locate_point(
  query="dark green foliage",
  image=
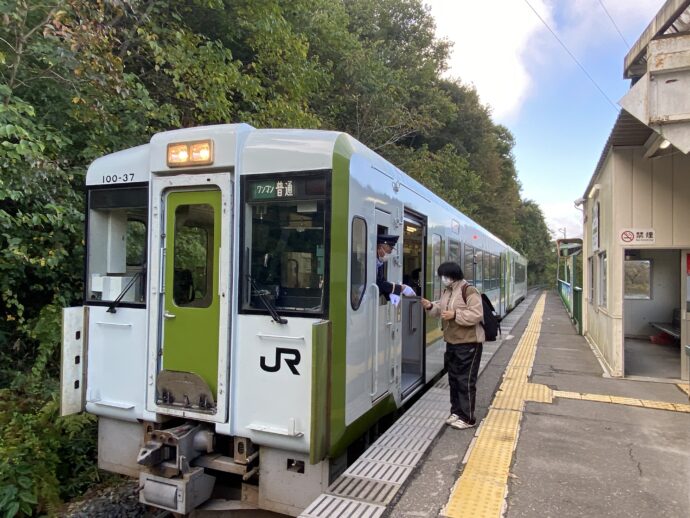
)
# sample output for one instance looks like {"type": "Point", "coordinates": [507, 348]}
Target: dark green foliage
{"type": "Point", "coordinates": [83, 78]}
{"type": "Point", "coordinates": [535, 242]}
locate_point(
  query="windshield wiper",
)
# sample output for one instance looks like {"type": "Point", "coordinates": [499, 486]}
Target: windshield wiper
{"type": "Point", "coordinates": [116, 302]}
{"type": "Point", "coordinates": [263, 296]}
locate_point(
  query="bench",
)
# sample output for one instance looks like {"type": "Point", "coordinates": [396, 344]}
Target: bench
{"type": "Point", "coordinates": [671, 328]}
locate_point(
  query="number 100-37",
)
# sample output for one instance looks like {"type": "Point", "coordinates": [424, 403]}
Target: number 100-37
{"type": "Point", "coordinates": [115, 178]}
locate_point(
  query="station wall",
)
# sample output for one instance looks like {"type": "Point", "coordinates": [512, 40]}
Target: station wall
{"type": "Point", "coordinates": [632, 192]}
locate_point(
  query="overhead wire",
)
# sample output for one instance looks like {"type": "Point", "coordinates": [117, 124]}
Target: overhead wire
{"type": "Point", "coordinates": [573, 57]}
{"type": "Point", "coordinates": [601, 2]}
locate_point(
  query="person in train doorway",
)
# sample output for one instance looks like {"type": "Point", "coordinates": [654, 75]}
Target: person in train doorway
{"type": "Point", "coordinates": [385, 243]}
{"type": "Point", "coordinates": [460, 309]}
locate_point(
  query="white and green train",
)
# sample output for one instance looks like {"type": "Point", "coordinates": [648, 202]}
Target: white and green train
{"type": "Point", "coordinates": [232, 340]}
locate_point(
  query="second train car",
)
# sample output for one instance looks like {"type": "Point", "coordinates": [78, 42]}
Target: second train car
{"type": "Point", "coordinates": [232, 333]}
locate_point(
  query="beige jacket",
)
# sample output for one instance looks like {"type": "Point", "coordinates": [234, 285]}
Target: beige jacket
{"type": "Point", "coordinates": [467, 327]}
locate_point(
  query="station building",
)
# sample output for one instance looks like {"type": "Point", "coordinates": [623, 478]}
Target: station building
{"type": "Point", "coordinates": [636, 212]}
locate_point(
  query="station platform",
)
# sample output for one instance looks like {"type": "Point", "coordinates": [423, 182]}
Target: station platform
{"type": "Point", "coordinates": [556, 438]}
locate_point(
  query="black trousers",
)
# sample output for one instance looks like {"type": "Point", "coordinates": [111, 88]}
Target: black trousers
{"type": "Point", "coordinates": [462, 363]}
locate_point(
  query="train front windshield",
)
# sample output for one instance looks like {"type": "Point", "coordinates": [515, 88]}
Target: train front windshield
{"type": "Point", "coordinates": [284, 244]}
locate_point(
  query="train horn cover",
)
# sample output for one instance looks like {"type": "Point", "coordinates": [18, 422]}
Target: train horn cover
{"type": "Point", "coordinates": [199, 152]}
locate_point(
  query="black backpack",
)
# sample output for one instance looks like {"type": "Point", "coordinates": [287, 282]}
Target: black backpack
{"type": "Point", "coordinates": [490, 322]}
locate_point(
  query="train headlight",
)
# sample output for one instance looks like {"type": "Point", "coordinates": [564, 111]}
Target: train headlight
{"type": "Point", "coordinates": [182, 154]}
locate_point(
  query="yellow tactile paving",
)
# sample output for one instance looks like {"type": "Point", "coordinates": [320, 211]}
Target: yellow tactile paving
{"type": "Point", "coordinates": [628, 401]}
{"type": "Point", "coordinates": [603, 398]}
{"type": "Point", "coordinates": [659, 405]}
{"type": "Point", "coordinates": [482, 488]}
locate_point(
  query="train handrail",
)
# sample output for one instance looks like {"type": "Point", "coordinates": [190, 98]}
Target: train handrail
{"type": "Point", "coordinates": [375, 359]}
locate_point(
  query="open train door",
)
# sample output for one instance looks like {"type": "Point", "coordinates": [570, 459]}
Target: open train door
{"type": "Point", "coordinates": [412, 331]}
{"type": "Point", "coordinates": [191, 364]}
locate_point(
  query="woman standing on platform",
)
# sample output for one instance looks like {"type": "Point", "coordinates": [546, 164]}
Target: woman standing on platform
{"type": "Point", "coordinates": [460, 310]}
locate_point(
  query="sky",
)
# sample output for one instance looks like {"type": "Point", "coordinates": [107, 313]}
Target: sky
{"type": "Point", "coordinates": [559, 118]}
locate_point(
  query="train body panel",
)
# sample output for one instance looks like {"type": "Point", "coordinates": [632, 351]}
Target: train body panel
{"type": "Point", "coordinates": [231, 292]}
{"type": "Point", "coordinates": [271, 403]}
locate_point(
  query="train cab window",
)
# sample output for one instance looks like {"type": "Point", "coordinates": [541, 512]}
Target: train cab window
{"type": "Point", "coordinates": [468, 266]}
{"type": "Point", "coordinates": [284, 240]}
{"type": "Point", "coordinates": [358, 262]}
{"type": "Point", "coordinates": [116, 245]}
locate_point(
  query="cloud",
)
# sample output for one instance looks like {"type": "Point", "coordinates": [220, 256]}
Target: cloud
{"type": "Point", "coordinates": [489, 47]}
{"type": "Point", "coordinates": [500, 47]}
{"type": "Point", "coordinates": [562, 215]}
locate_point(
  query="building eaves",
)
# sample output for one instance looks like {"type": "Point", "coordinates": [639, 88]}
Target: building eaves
{"type": "Point", "coordinates": [626, 132]}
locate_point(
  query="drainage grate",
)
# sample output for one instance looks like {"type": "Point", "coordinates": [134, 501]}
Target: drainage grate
{"type": "Point", "coordinates": [329, 506]}
{"type": "Point", "coordinates": [370, 491]}
{"type": "Point", "coordinates": [379, 471]}
{"type": "Point", "coordinates": [413, 431]}
{"type": "Point", "coordinates": [402, 442]}
{"type": "Point", "coordinates": [393, 456]}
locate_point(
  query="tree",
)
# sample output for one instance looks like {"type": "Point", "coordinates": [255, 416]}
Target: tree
{"type": "Point", "coordinates": [536, 244]}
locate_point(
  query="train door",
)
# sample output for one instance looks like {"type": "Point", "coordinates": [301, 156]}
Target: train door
{"type": "Point", "coordinates": [191, 364]}
{"type": "Point", "coordinates": [412, 330]}
{"type": "Point", "coordinates": [502, 284]}
{"type": "Point", "coordinates": [387, 317]}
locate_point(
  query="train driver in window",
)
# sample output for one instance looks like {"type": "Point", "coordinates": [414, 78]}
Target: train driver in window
{"type": "Point", "coordinates": [385, 243]}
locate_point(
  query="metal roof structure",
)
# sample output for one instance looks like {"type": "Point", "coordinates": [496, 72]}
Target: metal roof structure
{"type": "Point", "coordinates": [673, 18]}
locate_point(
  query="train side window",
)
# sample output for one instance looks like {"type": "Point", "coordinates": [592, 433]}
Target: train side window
{"type": "Point", "coordinates": [479, 269]}
{"type": "Point", "coordinates": [468, 266]}
{"type": "Point", "coordinates": [435, 263]}
{"type": "Point", "coordinates": [358, 262]}
{"type": "Point", "coordinates": [454, 251]}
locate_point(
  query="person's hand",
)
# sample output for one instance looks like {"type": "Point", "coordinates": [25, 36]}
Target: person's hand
{"type": "Point", "coordinates": [448, 314]}
{"type": "Point", "coordinates": [426, 304]}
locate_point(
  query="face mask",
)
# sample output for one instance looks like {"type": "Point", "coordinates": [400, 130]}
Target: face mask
{"type": "Point", "coordinates": [446, 281]}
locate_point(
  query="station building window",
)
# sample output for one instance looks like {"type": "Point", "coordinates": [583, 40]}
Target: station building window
{"type": "Point", "coordinates": [590, 287]}
{"type": "Point", "coordinates": [638, 279]}
{"type": "Point", "coordinates": [602, 279]}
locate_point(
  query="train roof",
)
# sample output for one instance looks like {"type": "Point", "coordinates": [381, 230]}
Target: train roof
{"type": "Point", "coordinates": [263, 150]}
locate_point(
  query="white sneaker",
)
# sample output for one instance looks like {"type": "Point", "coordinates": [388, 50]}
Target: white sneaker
{"type": "Point", "coordinates": [452, 418]}
{"type": "Point", "coordinates": [461, 425]}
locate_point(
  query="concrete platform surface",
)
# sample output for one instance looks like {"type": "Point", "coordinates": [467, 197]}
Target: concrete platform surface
{"type": "Point", "coordinates": [571, 457]}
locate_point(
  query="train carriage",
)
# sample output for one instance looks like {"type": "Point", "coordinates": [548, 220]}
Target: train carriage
{"type": "Point", "coordinates": [232, 332]}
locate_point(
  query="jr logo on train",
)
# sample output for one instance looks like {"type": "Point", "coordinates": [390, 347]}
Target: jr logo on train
{"type": "Point", "coordinates": [233, 341]}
